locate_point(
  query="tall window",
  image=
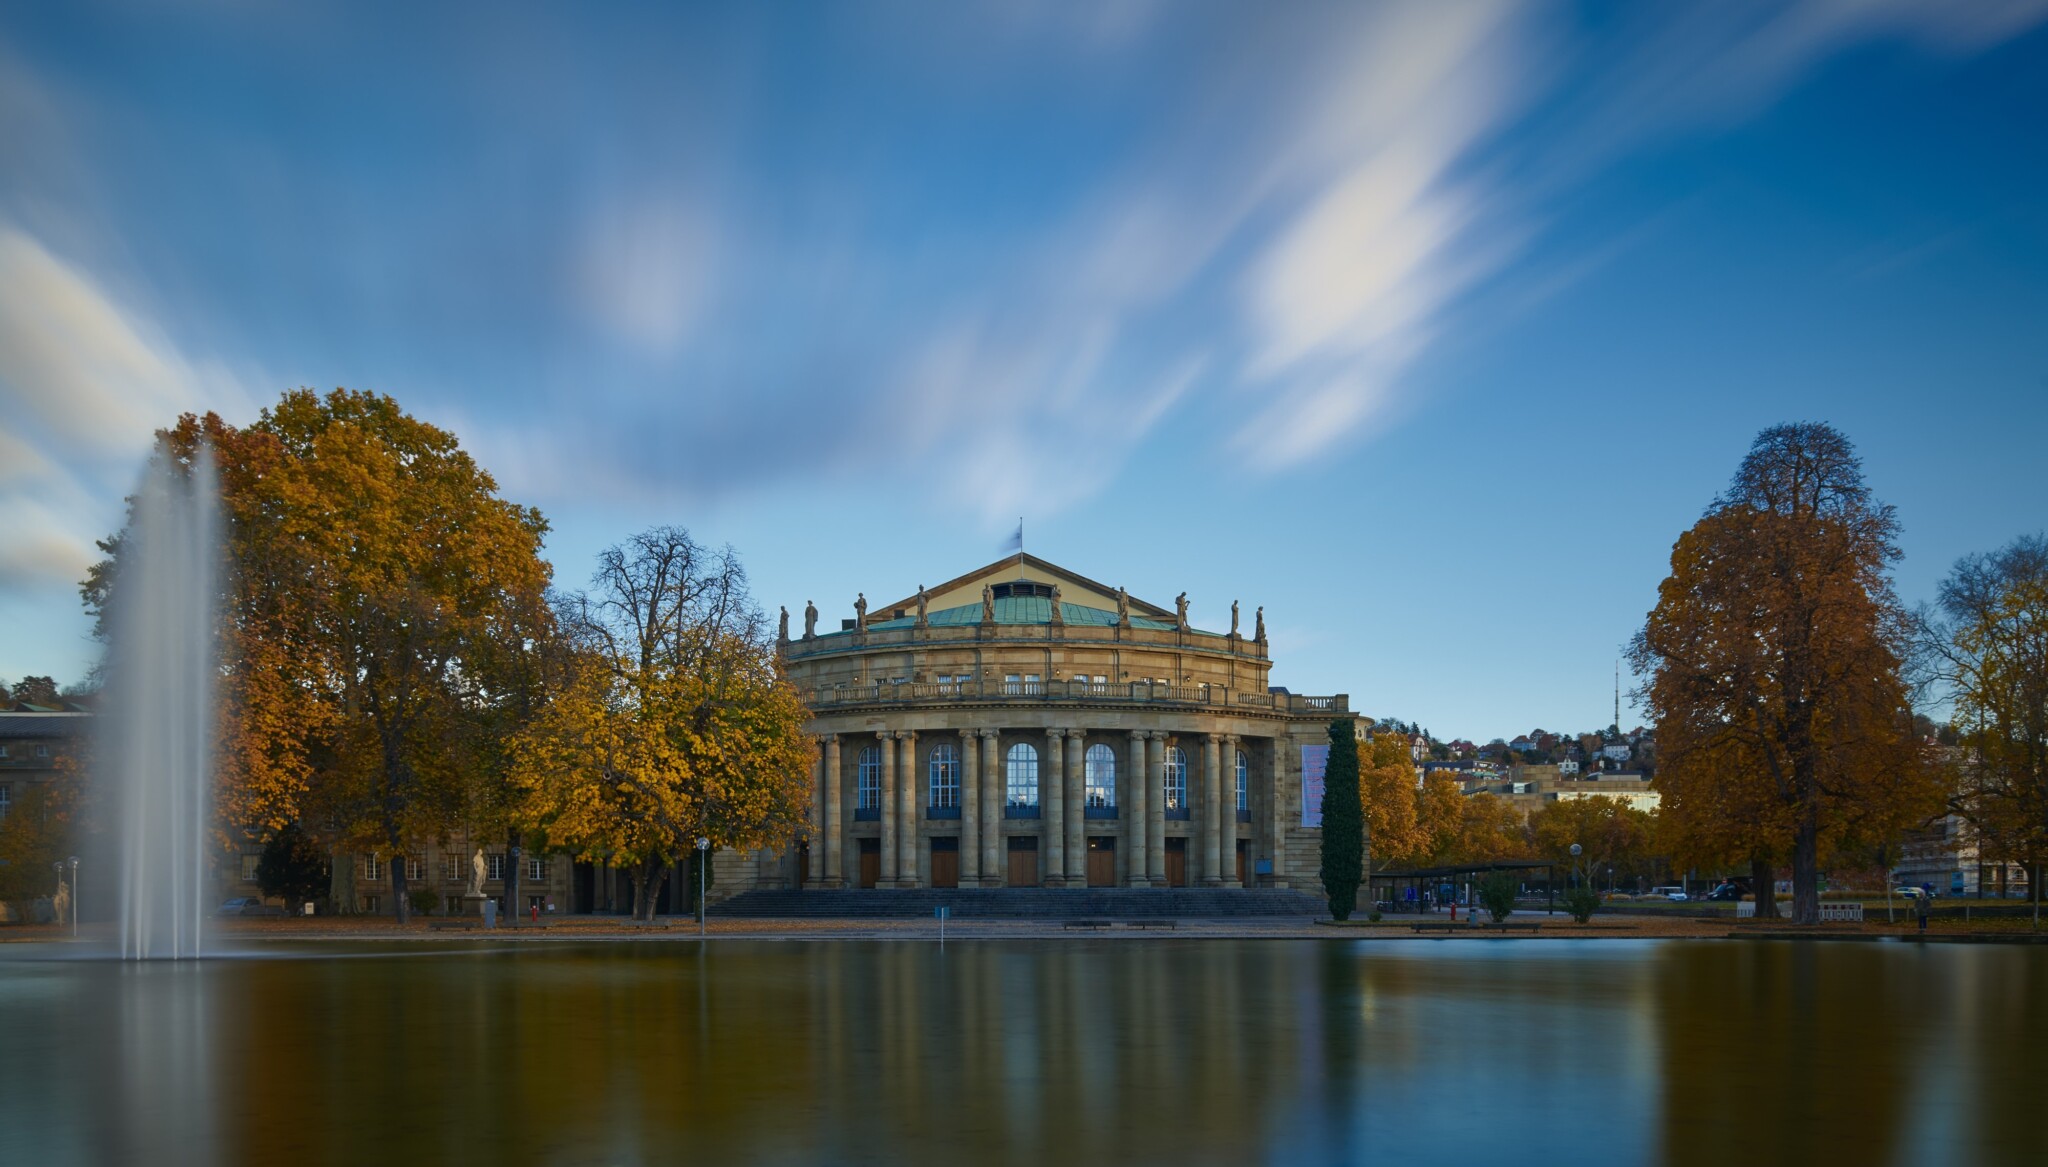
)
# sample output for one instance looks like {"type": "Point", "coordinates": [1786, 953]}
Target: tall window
{"type": "Point", "coordinates": [1176, 779]}
{"type": "Point", "coordinates": [945, 769]}
{"type": "Point", "coordinates": [249, 865]}
{"type": "Point", "coordinates": [536, 869]}
{"type": "Point", "coordinates": [416, 867]}
{"type": "Point", "coordinates": [868, 787]}
{"type": "Point", "coordinates": [1023, 775]}
{"type": "Point", "coordinates": [373, 868]}
{"type": "Point", "coordinates": [494, 865]}
{"type": "Point", "coordinates": [6, 798]}
{"type": "Point", "coordinates": [1100, 770]}
{"type": "Point", "coordinates": [1244, 783]}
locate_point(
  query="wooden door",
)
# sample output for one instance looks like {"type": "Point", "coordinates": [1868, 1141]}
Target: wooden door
{"type": "Point", "coordinates": [945, 863]}
{"type": "Point", "coordinates": [1244, 847]}
{"type": "Point", "coordinates": [870, 862]}
{"type": "Point", "coordinates": [1176, 863]}
{"type": "Point", "coordinates": [1023, 861]}
{"type": "Point", "coordinates": [1101, 861]}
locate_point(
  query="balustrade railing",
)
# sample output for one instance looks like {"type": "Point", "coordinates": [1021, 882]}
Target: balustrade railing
{"type": "Point", "coordinates": [1140, 692]}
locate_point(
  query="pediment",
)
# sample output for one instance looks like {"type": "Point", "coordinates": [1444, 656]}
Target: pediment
{"type": "Point", "coordinates": [1075, 588]}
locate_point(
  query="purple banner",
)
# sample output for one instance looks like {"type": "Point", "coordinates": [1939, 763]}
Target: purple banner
{"type": "Point", "coordinates": [1314, 760]}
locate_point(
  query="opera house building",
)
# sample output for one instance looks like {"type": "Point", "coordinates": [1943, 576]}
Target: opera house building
{"type": "Point", "coordinates": [1024, 726]}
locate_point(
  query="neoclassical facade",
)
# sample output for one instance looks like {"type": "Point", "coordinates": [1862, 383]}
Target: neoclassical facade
{"type": "Point", "coordinates": [1022, 725]}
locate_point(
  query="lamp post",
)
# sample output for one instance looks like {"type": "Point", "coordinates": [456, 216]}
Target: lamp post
{"type": "Point", "coordinates": [1575, 863]}
{"type": "Point", "coordinates": [703, 860]}
{"type": "Point", "coordinates": [74, 897]}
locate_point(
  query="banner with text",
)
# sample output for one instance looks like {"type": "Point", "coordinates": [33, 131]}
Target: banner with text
{"type": "Point", "coordinates": [1314, 760]}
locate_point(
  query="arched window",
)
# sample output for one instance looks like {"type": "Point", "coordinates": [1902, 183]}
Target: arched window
{"type": "Point", "coordinates": [1176, 779]}
{"type": "Point", "coordinates": [1244, 783]}
{"type": "Point", "coordinates": [868, 790]}
{"type": "Point", "coordinates": [1100, 770]}
{"type": "Point", "coordinates": [1023, 775]}
{"type": "Point", "coordinates": [945, 770]}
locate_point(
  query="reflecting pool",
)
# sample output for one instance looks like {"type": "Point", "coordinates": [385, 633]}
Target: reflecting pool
{"type": "Point", "coordinates": [1058, 1052]}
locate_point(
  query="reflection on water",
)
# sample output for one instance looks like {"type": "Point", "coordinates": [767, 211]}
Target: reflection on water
{"type": "Point", "coordinates": [1128, 1052]}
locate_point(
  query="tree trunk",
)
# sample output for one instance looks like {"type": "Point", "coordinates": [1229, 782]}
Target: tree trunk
{"type": "Point", "coordinates": [1763, 878]}
{"type": "Point", "coordinates": [1806, 873]}
{"type": "Point", "coordinates": [512, 873]}
{"type": "Point", "coordinates": [647, 880]}
{"type": "Point", "coordinates": [341, 883]}
{"type": "Point", "coordinates": [400, 904]}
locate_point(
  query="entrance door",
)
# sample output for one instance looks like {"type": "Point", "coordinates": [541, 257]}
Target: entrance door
{"type": "Point", "coordinates": [1176, 863]}
{"type": "Point", "coordinates": [870, 862]}
{"type": "Point", "coordinates": [1023, 861]}
{"type": "Point", "coordinates": [945, 863]}
{"type": "Point", "coordinates": [1101, 861]}
{"type": "Point", "coordinates": [1244, 847]}
{"type": "Point", "coordinates": [803, 865]}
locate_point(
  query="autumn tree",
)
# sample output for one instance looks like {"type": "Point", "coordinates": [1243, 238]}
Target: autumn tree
{"type": "Point", "coordinates": [677, 722]}
{"type": "Point", "coordinates": [376, 588]}
{"type": "Point", "coordinates": [1773, 658]}
{"type": "Point", "coordinates": [1988, 645]}
{"type": "Point", "coordinates": [1386, 791]}
{"type": "Point", "coordinates": [1609, 832]}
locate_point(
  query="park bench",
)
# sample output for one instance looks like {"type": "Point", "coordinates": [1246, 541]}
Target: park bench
{"type": "Point", "coordinates": [462, 923]}
{"type": "Point", "coordinates": [1439, 926]}
{"type": "Point", "coordinates": [1167, 924]}
{"type": "Point", "coordinates": [1095, 924]}
{"type": "Point", "coordinates": [656, 924]}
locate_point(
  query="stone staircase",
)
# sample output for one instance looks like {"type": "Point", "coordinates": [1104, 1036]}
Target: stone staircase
{"type": "Point", "coordinates": [1021, 903]}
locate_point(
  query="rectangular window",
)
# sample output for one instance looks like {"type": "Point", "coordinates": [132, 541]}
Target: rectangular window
{"type": "Point", "coordinates": [536, 869]}
{"type": "Point", "coordinates": [249, 863]}
{"type": "Point", "coordinates": [1012, 683]}
{"type": "Point", "coordinates": [42, 751]}
{"type": "Point", "coordinates": [370, 904]}
{"type": "Point", "coordinates": [373, 868]}
{"type": "Point", "coordinates": [868, 783]}
{"type": "Point", "coordinates": [451, 868]}
{"type": "Point", "coordinates": [415, 868]}
{"type": "Point", "coordinates": [6, 798]}
{"type": "Point", "coordinates": [494, 865]}
{"type": "Point", "coordinates": [945, 777]}
{"type": "Point", "coordinates": [3, 751]}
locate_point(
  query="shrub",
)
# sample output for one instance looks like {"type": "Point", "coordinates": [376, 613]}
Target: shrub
{"type": "Point", "coordinates": [1497, 894]}
{"type": "Point", "coordinates": [1581, 902]}
{"type": "Point", "coordinates": [424, 900]}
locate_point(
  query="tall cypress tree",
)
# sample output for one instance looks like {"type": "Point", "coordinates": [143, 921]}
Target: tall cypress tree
{"type": "Point", "coordinates": [1343, 821]}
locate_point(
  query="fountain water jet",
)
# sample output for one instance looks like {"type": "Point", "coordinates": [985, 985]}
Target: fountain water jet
{"type": "Point", "coordinates": [159, 723]}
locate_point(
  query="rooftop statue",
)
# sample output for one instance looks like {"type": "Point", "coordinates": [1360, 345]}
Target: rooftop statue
{"type": "Point", "coordinates": [1123, 608]}
{"type": "Point", "coordinates": [810, 619]}
{"type": "Point", "coordinates": [988, 604]}
{"type": "Point", "coordinates": [1180, 607]}
{"type": "Point", "coordinates": [782, 629]}
{"type": "Point", "coordinates": [860, 612]}
{"type": "Point", "coordinates": [1260, 635]}
{"type": "Point", "coordinates": [1057, 616]}
{"type": "Point", "coordinates": [922, 601]}
{"type": "Point", "coordinates": [1233, 618]}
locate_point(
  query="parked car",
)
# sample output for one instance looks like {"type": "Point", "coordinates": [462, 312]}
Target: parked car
{"type": "Point", "coordinates": [1910, 891]}
{"type": "Point", "coordinates": [1675, 894]}
{"type": "Point", "coordinates": [234, 907]}
{"type": "Point", "coordinates": [1726, 891]}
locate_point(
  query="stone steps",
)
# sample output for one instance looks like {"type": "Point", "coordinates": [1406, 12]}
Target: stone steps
{"type": "Point", "coordinates": [1018, 903]}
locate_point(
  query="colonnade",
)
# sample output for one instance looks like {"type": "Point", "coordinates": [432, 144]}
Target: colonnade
{"type": "Point", "coordinates": [1140, 821]}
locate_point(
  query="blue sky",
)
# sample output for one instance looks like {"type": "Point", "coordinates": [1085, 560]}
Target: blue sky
{"type": "Point", "coordinates": [1427, 327]}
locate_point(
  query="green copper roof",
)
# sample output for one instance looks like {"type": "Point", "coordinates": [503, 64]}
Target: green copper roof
{"type": "Point", "coordinates": [1020, 610]}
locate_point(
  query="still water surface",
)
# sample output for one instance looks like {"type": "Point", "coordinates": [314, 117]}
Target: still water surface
{"type": "Point", "coordinates": [1063, 1053]}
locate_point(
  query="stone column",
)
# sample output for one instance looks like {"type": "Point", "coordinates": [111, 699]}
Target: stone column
{"type": "Point", "coordinates": [910, 794]}
{"type": "Point", "coordinates": [834, 840]}
{"type": "Point", "coordinates": [1052, 812]}
{"type": "Point", "coordinates": [1155, 806]}
{"type": "Point", "coordinates": [1280, 809]}
{"type": "Point", "coordinates": [993, 798]}
{"type": "Point", "coordinates": [1208, 824]}
{"type": "Point", "coordinates": [970, 810]}
{"type": "Point", "coordinates": [888, 810]}
{"type": "Point", "coordinates": [1229, 815]}
{"type": "Point", "coordinates": [1077, 808]}
{"type": "Point", "coordinates": [1136, 792]}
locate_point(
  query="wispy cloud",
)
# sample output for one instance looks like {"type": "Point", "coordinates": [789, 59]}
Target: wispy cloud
{"type": "Point", "coordinates": [84, 382]}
